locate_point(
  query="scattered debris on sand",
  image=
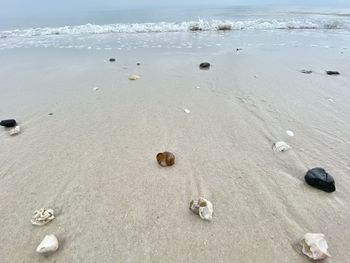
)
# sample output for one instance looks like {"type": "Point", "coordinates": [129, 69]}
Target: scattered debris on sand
{"type": "Point", "coordinates": [202, 207]}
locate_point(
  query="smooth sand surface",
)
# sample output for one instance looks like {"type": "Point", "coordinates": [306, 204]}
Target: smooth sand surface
{"type": "Point", "coordinates": [93, 160]}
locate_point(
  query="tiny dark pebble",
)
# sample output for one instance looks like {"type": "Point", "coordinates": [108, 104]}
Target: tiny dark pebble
{"type": "Point", "coordinates": [50, 113]}
{"type": "Point", "coordinates": [305, 71]}
{"type": "Point", "coordinates": [8, 123]}
{"type": "Point", "coordinates": [331, 72]}
{"type": "Point", "coordinates": [239, 49]}
{"type": "Point", "coordinates": [138, 63]}
{"type": "Point", "coordinates": [320, 179]}
{"type": "Point", "coordinates": [112, 60]}
{"type": "Point", "coordinates": [204, 65]}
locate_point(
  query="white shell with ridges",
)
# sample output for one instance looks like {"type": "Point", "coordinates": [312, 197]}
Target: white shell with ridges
{"type": "Point", "coordinates": [315, 246]}
{"type": "Point", "coordinates": [280, 147]}
{"type": "Point", "coordinates": [42, 216]}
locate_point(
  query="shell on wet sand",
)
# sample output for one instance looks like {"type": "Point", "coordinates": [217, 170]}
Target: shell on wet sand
{"type": "Point", "coordinates": [134, 77]}
{"type": "Point", "coordinates": [48, 244]}
{"type": "Point", "coordinates": [202, 207]}
{"type": "Point", "coordinates": [280, 147]}
{"type": "Point", "coordinates": [42, 216]}
{"type": "Point", "coordinates": [166, 159]}
{"type": "Point", "coordinates": [314, 245]}
{"type": "Point", "coordinates": [15, 130]}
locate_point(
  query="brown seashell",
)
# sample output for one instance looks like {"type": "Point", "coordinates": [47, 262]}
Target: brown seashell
{"type": "Point", "coordinates": [165, 159]}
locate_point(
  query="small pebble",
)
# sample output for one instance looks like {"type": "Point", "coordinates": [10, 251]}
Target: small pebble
{"type": "Point", "coordinates": [134, 77]}
{"type": "Point", "coordinates": [331, 72]}
{"type": "Point", "coordinates": [186, 110]}
{"type": "Point", "coordinates": [112, 60]}
{"type": "Point", "coordinates": [204, 65]}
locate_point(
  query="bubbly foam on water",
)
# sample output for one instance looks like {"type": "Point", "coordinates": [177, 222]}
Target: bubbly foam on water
{"type": "Point", "coordinates": [200, 25]}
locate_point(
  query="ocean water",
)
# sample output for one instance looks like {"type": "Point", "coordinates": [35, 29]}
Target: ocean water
{"type": "Point", "coordinates": [141, 28]}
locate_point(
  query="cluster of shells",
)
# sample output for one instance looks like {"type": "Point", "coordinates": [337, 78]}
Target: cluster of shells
{"type": "Point", "coordinates": [50, 242]}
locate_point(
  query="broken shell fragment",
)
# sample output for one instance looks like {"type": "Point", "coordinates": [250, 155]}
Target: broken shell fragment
{"type": "Point", "coordinates": [48, 244]}
{"type": "Point", "coordinates": [186, 110]}
{"type": "Point", "coordinates": [202, 207]}
{"type": "Point", "coordinates": [15, 130]}
{"type": "Point", "coordinates": [42, 216]}
{"type": "Point", "coordinates": [165, 159]}
{"type": "Point", "coordinates": [134, 77]}
{"type": "Point", "coordinates": [315, 246]}
{"type": "Point", "coordinates": [280, 147]}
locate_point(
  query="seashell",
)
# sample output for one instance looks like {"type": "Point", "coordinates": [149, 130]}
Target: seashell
{"type": "Point", "coordinates": [198, 87]}
{"type": "Point", "coordinates": [48, 244]}
{"type": "Point", "coordinates": [134, 77]}
{"type": "Point", "coordinates": [315, 246]}
{"type": "Point", "coordinates": [204, 65]}
{"type": "Point", "coordinates": [15, 130]}
{"type": "Point", "coordinates": [186, 110]}
{"type": "Point", "coordinates": [42, 216]}
{"type": "Point", "coordinates": [290, 133]}
{"type": "Point", "coordinates": [202, 207]}
{"type": "Point", "coordinates": [280, 147]}
{"type": "Point", "coordinates": [96, 88]}
{"type": "Point", "coordinates": [165, 159]}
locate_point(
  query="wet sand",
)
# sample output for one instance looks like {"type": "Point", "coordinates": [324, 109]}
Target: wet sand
{"type": "Point", "coordinates": [93, 160]}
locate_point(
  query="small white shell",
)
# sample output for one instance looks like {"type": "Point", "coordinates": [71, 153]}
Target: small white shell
{"type": "Point", "coordinates": [186, 110]}
{"type": "Point", "coordinates": [203, 208]}
{"type": "Point", "coordinates": [198, 87]}
{"type": "Point", "coordinates": [15, 130]}
{"type": "Point", "coordinates": [290, 133]}
{"type": "Point", "coordinates": [134, 77]}
{"type": "Point", "coordinates": [42, 216]}
{"type": "Point", "coordinates": [96, 88]}
{"type": "Point", "coordinates": [315, 246]}
{"type": "Point", "coordinates": [48, 244]}
{"type": "Point", "coordinates": [280, 147]}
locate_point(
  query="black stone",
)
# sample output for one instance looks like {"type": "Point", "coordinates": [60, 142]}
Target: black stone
{"type": "Point", "coordinates": [112, 60]}
{"type": "Point", "coordinates": [319, 178]}
{"type": "Point", "coordinates": [306, 71]}
{"type": "Point", "coordinates": [8, 123]}
{"type": "Point", "coordinates": [50, 113]}
{"type": "Point", "coordinates": [138, 63]}
{"type": "Point", "coordinates": [330, 72]}
{"type": "Point", "coordinates": [239, 49]}
{"type": "Point", "coordinates": [204, 65]}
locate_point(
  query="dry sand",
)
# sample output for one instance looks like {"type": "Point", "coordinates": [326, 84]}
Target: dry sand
{"type": "Point", "coordinates": [93, 160]}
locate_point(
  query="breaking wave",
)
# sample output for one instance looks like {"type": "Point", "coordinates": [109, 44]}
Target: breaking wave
{"type": "Point", "coordinates": [200, 25]}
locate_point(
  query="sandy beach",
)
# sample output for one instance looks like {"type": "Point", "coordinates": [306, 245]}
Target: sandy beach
{"type": "Point", "coordinates": [93, 159]}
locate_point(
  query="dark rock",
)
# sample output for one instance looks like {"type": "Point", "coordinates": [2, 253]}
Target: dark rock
{"type": "Point", "coordinates": [204, 65]}
{"type": "Point", "coordinates": [224, 27]}
{"type": "Point", "coordinates": [8, 123]}
{"type": "Point", "coordinates": [330, 72]}
{"type": "Point", "coordinates": [319, 178]}
{"type": "Point", "coordinates": [112, 60]}
{"type": "Point", "coordinates": [305, 71]}
{"type": "Point", "coordinates": [50, 113]}
{"type": "Point", "coordinates": [239, 49]}
{"type": "Point", "coordinates": [195, 28]}
{"type": "Point", "coordinates": [138, 63]}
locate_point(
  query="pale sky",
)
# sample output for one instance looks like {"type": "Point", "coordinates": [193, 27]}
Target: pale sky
{"type": "Point", "coordinates": [17, 7]}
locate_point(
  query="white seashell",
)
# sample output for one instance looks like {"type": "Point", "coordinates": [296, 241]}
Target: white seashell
{"type": "Point", "coordinates": [198, 87]}
{"type": "Point", "coordinates": [315, 246]}
{"type": "Point", "coordinates": [290, 133]}
{"type": "Point", "coordinates": [96, 88]}
{"type": "Point", "coordinates": [48, 244]}
{"type": "Point", "coordinates": [280, 147]}
{"type": "Point", "coordinates": [42, 216]}
{"type": "Point", "coordinates": [186, 110]}
{"type": "Point", "coordinates": [202, 207]}
{"type": "Point", "coordinates": [134, 77]}
{"type": "Point", "coordinates": [15, 130]}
